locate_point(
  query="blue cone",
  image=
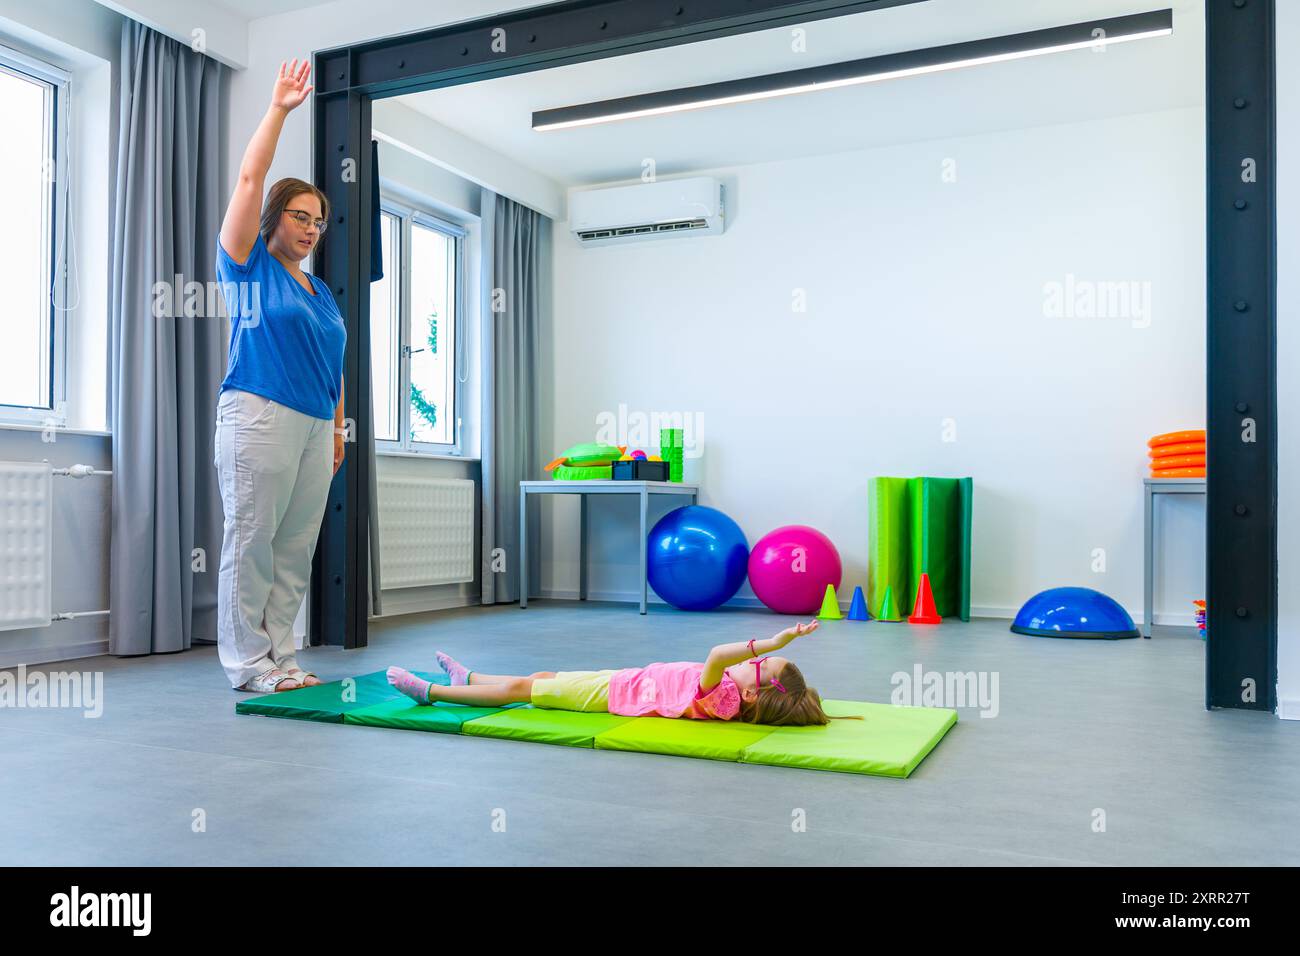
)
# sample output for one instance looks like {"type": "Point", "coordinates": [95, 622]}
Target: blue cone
{"type": "Point", "coordinates": [858, 609]}
{"type": "Point", "coordinates": [1074, 612]}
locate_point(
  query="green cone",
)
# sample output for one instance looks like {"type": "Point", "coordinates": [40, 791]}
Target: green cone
{"type": "Point", "coordinates": [830, 606]}
{"type": "Point", "coordinates": [887, 610]}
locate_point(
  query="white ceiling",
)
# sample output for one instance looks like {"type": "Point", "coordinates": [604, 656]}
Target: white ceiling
{"type": "Point", "coordinates": [1143, 76]}
{"type": "Point", "coordinates": [253, 9]}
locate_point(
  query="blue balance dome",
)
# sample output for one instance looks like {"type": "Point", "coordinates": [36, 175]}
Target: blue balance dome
{"type": "Point", "coordinates": [1073, 612]}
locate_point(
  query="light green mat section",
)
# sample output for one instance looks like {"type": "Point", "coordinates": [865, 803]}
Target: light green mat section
{"type": "Point", "coordinates": [917, 525]}
{"type": "Point", "coordinates": [890, 741]}
{"type": "Point", "coordinates": [328, 702]}
{"type": "Point", "coordinates": [544, 726]}
{"type": "Point", "coordinates": [714, 739]}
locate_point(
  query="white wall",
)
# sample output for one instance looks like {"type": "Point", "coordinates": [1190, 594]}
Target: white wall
{"type": "Point", "coordinates": [925, 302]}
{"type": "Point", "coordinates": [1288, 360]}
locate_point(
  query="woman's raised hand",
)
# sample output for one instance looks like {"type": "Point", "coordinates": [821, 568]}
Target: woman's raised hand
{"type": "Point", "coordinates": [291, 87]}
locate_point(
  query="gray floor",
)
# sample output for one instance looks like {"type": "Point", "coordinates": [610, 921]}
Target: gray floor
{"type": "Point", "coordinates": [1117, 727]}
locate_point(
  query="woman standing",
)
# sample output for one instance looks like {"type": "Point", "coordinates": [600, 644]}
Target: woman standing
{"type": "Point", "coordinates": [279, 437]}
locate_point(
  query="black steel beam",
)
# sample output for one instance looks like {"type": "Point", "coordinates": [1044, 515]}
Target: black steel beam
{"type": "Point", "coordinates": [540, 37]}
{"type": "Point", "coordinates": [1241, 353]}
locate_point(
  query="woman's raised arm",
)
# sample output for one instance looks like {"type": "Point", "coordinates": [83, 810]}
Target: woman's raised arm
{"type": "Point", "coordinates": [243, 215]}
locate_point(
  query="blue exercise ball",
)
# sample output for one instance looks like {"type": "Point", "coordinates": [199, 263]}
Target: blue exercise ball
{"type": "Point", "coordinates": [696, 558]}
{"type": "Point", "coordinates": [1074, 612]}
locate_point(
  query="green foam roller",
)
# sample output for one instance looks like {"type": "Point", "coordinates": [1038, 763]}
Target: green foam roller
{"type": "Point", "coordinates": [574, 473]}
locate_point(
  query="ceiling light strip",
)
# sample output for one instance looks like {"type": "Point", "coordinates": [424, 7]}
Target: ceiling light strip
{"type": "Point", "coordinates": [1095, 34]}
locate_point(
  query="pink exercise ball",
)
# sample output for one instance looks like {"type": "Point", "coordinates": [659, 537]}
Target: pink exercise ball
{"type": "Point", "coordinates": [790, 567]}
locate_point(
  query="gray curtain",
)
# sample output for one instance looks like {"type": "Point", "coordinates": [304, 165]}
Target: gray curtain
{"type": "Point", "coordinates": [167, 357]}
{"type": "Point", "coordinates": [511, 426]}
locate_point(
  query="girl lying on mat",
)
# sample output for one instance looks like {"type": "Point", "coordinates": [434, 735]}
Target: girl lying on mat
{"type": "Point", "coordinates": [736, 681]}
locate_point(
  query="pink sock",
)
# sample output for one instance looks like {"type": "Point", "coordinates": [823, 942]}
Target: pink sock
{"type": "Point", "coordinates": [410, 685]}
{"type": "Point", "coordinates": [455, 670]}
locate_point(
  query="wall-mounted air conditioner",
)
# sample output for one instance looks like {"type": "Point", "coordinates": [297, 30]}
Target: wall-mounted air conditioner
{"type": "Point", "coordinates": [658, 210]}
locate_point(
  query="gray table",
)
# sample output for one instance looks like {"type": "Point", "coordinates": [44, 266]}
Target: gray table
{"type": "Point", "coordinates": [641, 489]}
{"type": "Point", "coordinates": [1153, 487]}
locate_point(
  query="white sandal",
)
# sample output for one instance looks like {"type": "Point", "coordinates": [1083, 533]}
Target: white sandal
{"type": "Point", "coordinates": [268, 683]}
{"type": "Point", "coordinates": [300, 675]}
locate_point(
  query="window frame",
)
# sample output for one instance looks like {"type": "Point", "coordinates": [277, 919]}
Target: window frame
{"type": "Point", "coordinates": [409, 213]}
{"type": "Point", "coordinates": [57, 134]}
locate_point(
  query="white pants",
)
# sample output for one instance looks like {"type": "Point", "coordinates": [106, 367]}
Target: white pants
{"type": "Point", "coordinates": [275, 466]}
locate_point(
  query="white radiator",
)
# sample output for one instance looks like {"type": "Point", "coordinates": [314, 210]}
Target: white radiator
{"type": "Point", "coordinates": [426, 531]}
{"type": "Point", "coordinates": [26, 544]}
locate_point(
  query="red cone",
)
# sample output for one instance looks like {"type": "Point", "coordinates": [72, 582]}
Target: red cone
{"type": "Point", "coordinates": [924, 612]}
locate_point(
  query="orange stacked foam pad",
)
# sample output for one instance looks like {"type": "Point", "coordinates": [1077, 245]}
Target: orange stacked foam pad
{"type": "Point", "coordinates": [1178, 454]}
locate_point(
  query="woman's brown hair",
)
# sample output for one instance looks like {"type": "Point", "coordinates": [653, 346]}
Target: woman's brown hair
{"type": "Point", "coordinates": [278, 199]}
{"type": "Point", "coordinates": [799, 706]}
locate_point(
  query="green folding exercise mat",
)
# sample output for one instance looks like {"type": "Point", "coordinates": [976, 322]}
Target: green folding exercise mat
{"type": "Point", "coordinates": [328, 702]}
{"type": "Point", "coordinates": [889, 741]}
{"type": "Point", "coordinates": [917, 525]}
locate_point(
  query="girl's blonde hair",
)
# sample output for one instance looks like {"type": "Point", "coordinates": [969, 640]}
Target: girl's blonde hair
{"type": "Point", "coordinates": [278, 199]}
{"type": "Point", "coordinates": [799, 706]}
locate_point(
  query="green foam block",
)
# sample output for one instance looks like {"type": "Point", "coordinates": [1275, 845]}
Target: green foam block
{"type": "Point", "coordinates": [328, 702]}
{"type": "Point", "coordinates": [890, 741]}
{"type": "Point", "coordinates": [683, 737]}
{"type": "Point", "coordinates": [917, 525]}
{"type": "Point", "coordinates": [542, 725]}
{"type": "Point", "coordinates": [405, 714]}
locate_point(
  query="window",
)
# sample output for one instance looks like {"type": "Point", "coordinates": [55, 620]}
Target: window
{"type": "Point", "coordinates": [32, 114]}
{"type": "Point", "coordinates": [415, 319]}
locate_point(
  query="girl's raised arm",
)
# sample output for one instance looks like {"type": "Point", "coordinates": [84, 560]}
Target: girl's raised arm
{"type": "Point", "coordinates": [243, 215]}
{"type": "Point", "coordinates": [725, 655]}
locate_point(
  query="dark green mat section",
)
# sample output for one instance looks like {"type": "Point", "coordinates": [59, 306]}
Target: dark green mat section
{"type": "Point", "coordinates": [714, 739]}
{"type": "Point", "coordinates": [405, 714]}
{"type": "Point", "coordinates": [890, 741]}
{"type": "Point", "coordinates": [328, 702]}
{"type": "Point", "coordinates": [917, 525]}
{"type": "Point", "coordinates": [545, 726]}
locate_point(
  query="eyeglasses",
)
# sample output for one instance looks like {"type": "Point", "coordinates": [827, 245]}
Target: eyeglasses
{"type": "Point", "coordinates": [304, 219]}
{"type": "Point", "coordinates": [758, 673]}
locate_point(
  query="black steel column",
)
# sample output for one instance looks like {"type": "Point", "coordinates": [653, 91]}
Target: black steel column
{"type": "Point", "coordinates": [341, 166]}
{"type": "Point", "coordinates": [1241, 354]}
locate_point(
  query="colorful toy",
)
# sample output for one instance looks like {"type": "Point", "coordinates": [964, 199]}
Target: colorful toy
{"type": "Point", "coordinates": [858, 606]}
{"type": "Point", "coordinates": [585, 462]}
{"type": "Point", "coordinates": [695, 558]}
{"type": "Point", "coordinates": [1177, 454]}
{"type": "Point", "coordinates": [1200, 617]}
{"type": "Point", "coordinates": [1074, 612]}
{"type": "Point", "coordinates": [790, 567]}
{"type": "Point", "coordinates": [923, 611]}
{"type": "Point", "coordinates": [672, 447]}
{"type": "Point", "coordinates": [830, 606]}
{"type": "Point", "coordinates": [639, 455]}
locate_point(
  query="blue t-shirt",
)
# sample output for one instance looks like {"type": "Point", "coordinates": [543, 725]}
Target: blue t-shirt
{"type": "Point", "coordinates": [285, 344]}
